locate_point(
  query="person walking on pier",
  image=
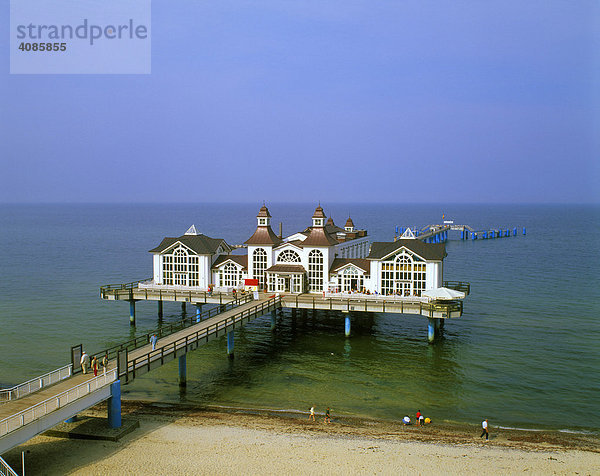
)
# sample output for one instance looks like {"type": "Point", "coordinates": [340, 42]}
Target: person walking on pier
{"type": "Point", "coordinates": [105, 362]}
{"type": "Point", "coordinates": [95, 366]}
{"type": "Point", "coordinates": [153, 341]}
{"type": "Point", "coordinates": [484, 426]}
{"type": "Point", "coordinates": [85, 361]}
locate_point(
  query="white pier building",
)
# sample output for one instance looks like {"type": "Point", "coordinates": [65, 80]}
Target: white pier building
{"type": "Point", "coordinates": [323, 258]}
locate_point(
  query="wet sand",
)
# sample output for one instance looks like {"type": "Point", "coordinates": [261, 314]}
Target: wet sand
{"type": "Point", "coordinates": [180, 439]}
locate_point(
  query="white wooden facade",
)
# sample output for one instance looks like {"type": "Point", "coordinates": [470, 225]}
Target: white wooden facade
{"type": "Point", "coordinates": [322, 258]}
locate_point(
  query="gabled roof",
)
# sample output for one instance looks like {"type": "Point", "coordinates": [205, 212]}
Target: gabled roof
{"type": "Point", "coordinates": [200, 244]}
{"type": "Point", "coordinates": [295, 244]}
{"type": "Point", "coordinates": [361, 263]}
{"type": "Point", "coordinates": [242, 260]}
{"type": "Point", "coordinates": [427, 251]}
{"type": "Point", "coordinates": [263, 236]}
{"type": "Point", "coordinates": [319, 237]}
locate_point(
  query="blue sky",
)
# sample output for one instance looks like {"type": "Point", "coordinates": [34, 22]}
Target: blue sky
{"type": "Point", "coordinates": [338, 101]}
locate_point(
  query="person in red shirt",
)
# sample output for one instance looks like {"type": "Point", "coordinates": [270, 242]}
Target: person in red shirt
{"type": "Point", "coordinates": [419, 416]}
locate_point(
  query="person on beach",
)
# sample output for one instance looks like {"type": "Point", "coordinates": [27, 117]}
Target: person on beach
{"type": "Point", "coordinates": [105, 362]}
{"type": "Point", "coordinates": [312, 414]}
{"type": "Point", "coordinates": [484, 426]}
{"type": "Point", "coordinates": [85, 361]}
{"type": "Point", "coordinates": [95, 366]}
{"type": "Point", "coordinates": [153, 341]}
{"type": "Point", "coordinates": [327, 416]}
{"type": "Point", "coordinates": [418, 417]}
{"type": "Point", "coordinates": [406, 420]}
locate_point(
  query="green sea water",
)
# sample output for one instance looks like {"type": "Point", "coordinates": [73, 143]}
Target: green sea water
{"type": "Point", "coordinates": [525, 353]}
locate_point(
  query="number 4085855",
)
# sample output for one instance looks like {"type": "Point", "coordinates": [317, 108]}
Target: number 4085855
{"type": "Point", "coordinates": [43, 46]}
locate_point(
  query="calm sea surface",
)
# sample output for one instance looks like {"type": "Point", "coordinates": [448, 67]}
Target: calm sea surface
{"type": "Point", "coordinates": [525, 354]}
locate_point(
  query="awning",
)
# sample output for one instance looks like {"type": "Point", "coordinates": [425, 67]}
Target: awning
{"type": "Point", "coordinates": [443, 293]}
{"type": "Point", "coordinates": [287, 269]}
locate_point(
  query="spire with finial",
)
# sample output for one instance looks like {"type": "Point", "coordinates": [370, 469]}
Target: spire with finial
{"type": "Point", "coordinates": [263, 235]}
{"type": "Point", "coordinates": [318, 217]}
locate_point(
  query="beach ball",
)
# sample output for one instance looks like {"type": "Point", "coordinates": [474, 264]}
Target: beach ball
{"type": "Point", "coordinates": [427, 420]}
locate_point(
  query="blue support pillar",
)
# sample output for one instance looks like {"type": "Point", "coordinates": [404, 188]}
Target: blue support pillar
{"type": "Point", "coordinates": [132, 313]}
{"type": "Point", "coordinates": [347, 327]}
{"type": "Point", "coordinates": [462, 235]}
{"type": "Point", "coordinates": [230, 344]}
{"type": "Point", "coordinates": [515, 231]}
{"type": "Point", "coordinates": [273, 320]}
{"type": "Point", "coordinates": [198, 312]}
{"type": "Point", "coordinates": [430, 329]}
{"type": "Point", "coordinates": [114, 405]}
{"type": "Point", "coordinates": [183, 370]}
{"type": "Point", "coordinates": [524, 231]}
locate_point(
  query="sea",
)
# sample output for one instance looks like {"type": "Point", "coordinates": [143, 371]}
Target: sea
{"type": "Point", "coordinates": [525, 354]}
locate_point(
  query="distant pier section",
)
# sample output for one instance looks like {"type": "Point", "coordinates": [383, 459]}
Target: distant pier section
{"type": "Point", "coordinates": [440, 233]}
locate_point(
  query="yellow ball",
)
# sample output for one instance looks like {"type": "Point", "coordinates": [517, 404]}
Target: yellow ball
{"type": "Point", "coordinates": [427, 420]}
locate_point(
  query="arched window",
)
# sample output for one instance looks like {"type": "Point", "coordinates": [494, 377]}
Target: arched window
{"type": "Point", "coordinates": [404, 275]}
{"type": "Point", "coordinates": [315, 271]}
{"type": "Point", "coordinates": [288, 256]}
{"type": "Point", "coordinates": [259, 260]}
{"type": "Point", "coordinates": [230, 275]}
{"type": "Point", "coordinates": [180, 268]}
{"type": "Point", "coordinates": [351, 280]}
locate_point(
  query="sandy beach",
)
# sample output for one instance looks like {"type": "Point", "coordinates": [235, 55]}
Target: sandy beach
{"type": "Point", "coordinates": [186, 440]}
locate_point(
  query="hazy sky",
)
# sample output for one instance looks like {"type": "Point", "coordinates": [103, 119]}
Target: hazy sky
{"type": "Point", "coordinates": [338, 101]}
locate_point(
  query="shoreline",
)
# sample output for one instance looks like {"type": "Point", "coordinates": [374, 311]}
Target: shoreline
{"type": "Point", "coordinates": [192, 439]}
{"type": "Point", "coordinates": [344, 425]}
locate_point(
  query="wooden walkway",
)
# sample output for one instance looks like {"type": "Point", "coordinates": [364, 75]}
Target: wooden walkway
{"type": "Point", "coordinates": [32, 408]}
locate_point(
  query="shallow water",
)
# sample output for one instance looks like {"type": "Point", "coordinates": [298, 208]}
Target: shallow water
{"type": "Point", "coordinates": [525, 353]}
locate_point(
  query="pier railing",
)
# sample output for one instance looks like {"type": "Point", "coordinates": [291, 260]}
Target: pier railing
{"type": "Point", "coordinates": [5, 469]}
{"type": "Point", "coordinates": [113, 287]}
{"type": "Point", "coordinates": [140, 290]}
{"type": "Point", "coordinates": [191, 341]}
{"type": "Point", "coordinates": [35, 384]}
{"type": "Point", "coordinates": [391, 304]}
{"type": "Point", "coordinates": [35, 412]}
{"type": "Point", "coordinates": [461, 286]}
{"type": "Point", "coordinates": [168, 329]}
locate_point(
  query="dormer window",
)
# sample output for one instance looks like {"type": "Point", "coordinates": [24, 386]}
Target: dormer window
{"type": "Point", "coordinates": [262, 221]}
{"type": "Point", "coordinates": [317, 222]}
